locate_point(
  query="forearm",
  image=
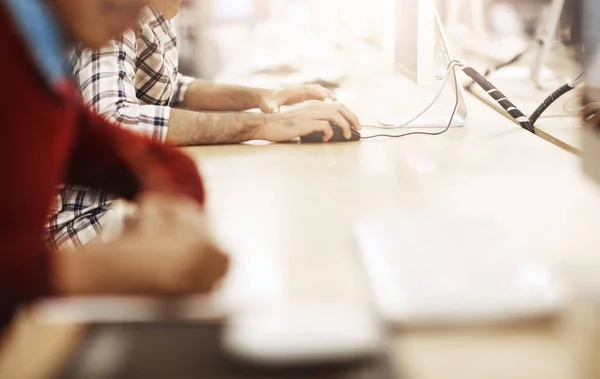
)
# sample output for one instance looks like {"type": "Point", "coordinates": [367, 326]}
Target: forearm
{"type": "Point", "coordinates": [206, 96]}
{"type": "Point", "coordinates": [195, 128]}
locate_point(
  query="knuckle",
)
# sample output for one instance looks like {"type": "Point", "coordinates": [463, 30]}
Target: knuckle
{"type": "Point", "coordinates": [183, 274]}
{"type": "Point", "coordinates": [179, 279]}
{"type": "Point", "coordinates": [224, 263]}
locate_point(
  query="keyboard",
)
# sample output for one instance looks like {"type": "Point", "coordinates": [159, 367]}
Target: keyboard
{"type": "Point", "coordinates": [439, 269]}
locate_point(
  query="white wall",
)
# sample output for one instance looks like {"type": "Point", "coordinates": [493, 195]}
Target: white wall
{"type": "Point", "coordinates": [223, 26]}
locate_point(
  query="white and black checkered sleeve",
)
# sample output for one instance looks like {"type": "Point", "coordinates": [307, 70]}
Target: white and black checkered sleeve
{"type": "Point", "coordinates": [183, 83]}
{"type": "Point", "coordinates": [106, 78]}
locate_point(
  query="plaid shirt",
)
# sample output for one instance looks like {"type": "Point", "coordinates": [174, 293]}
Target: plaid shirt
{"type": "Point", "coordinates": [134, 81]}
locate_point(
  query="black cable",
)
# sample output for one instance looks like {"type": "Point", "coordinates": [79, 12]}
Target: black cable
{"type": "Point", "coordinates": [456, 84]}
{"type": "Point", "coordinates": [553, 97]}
{"type": "Point", "coordinates": [501, 65]}
{"type": "Point", "coordinates": [526, 123]}
{"type": "Point", "coordinates": [498, 67]}
{"type": "Point", "coordinates": [511, 61]}
{"type": "Point", "coordinates": [548, 101]}
{"type": "Point", "coordinates": [501, 99]}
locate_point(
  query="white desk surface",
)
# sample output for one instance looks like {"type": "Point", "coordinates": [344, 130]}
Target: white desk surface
{"type": "Point", "coordinates": [296, 204]}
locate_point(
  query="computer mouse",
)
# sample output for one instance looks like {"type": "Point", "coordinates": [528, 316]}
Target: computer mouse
{"type": "Point", "coordinates": [303, 334]}
{"type": "Point", "coordinates": [338, 136]}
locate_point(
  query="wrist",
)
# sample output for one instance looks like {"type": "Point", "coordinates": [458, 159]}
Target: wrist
{"type": "Point", "coordinates": [74, 273]}
{"type": "Point", "coordinates": [104, 268]}
{"type": "Point", "coordinates": [267, 122]}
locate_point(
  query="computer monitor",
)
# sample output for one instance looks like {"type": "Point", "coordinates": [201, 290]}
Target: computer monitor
{"type": "Point", "coordinates": [416, 40]}
{"type": "Point", "coordinates": [422, 55]}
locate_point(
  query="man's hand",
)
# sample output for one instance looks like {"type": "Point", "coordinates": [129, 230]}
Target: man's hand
{"type": "Point", "coordinates": [271, 100]}
{"type": "Point", "coordinates": [311, 118]}
{"type": "Point", "coordinates": [167, 250]}
{"type": "Point", "coordinates": [590, 112]}
{"type": "Point", "coordinates": [185, 256]}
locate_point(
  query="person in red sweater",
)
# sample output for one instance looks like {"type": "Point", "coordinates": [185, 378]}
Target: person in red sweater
{"type": "Point", "coordinates": [48, 137]}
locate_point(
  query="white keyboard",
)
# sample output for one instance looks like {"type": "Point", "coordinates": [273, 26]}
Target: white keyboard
{"type": "Point", "coordinates": [451, 269]}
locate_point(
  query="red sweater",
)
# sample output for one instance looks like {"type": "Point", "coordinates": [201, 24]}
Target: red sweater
{"type": "Point", "coordinates": [48, 138]}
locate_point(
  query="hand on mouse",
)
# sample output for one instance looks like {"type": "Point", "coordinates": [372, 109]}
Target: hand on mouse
{"type": "Point", "coordinates": [271, 100]}
{"type": "Point", "coordinates": [313, 117]}
{"type": "Point", "coordinates": [590, 112]}
{"type": "Point", "coordinates": [166, 250]}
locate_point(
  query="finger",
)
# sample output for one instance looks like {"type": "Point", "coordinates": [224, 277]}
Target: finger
{"type": "Point", "coordinates": [270, 107]}
{"type": "Point", "coordinates": [318, 92]}
{"type": "Point", "coordinates": [340, 121]}
{"type": "Point", "coordinates": [594, 120]}
{"type": "Point", "coordinates": [349, 115]}
{"type": "Point", "coordinates": [213, 270]}
{"type": "Point", "coordinates": [330, 94]}
{"type": "Point", "coordinates": [327, 130]}
{"type": "Point", "coordinates": [221, 267]}
{"type": "Point", "coordinates": [305, 93]}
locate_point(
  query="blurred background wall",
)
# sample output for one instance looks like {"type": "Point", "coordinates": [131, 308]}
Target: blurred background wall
{"type": "Point", "coordinates": [215, 34]}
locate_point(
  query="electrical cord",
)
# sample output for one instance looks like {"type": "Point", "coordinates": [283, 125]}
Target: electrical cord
{"type": "Point", "coordinates": [526, 123]}
{"type": "Point", "coordinates": [497, 67]}
{"type": "Point", "coordinates": [451, 66]}
{"type": "Point", "coordinates": [446, 77]}
{"type": "Point", "coordinates": [554, 96]}
{"type": "Point", "coordinates": [500, 98]}
{"type": "Point", "coordinates": [507, 63]}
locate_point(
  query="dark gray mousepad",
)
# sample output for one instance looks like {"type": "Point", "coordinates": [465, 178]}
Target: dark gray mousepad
{"type": "Point", "coordinates": [174, 350]}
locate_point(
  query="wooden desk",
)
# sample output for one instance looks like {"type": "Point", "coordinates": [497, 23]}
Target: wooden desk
{"type": "Point", "coordinates": [560, 123]}
{"type": "Point", "coordinates": [565, 132]}
{"type": "Point", "coordinates": [298, 204]}
{"type": "Point", "coordinates": [562, 130]}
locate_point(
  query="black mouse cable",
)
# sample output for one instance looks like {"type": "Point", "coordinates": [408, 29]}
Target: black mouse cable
{"type": "Point", "coordinates": [526, 122]}
{"type": "Point", "coordinates": [491, 90]}
{"type": "Point", "coordinates": [451, 65]}
{"type": "Point", "coordinates": [446, 77]}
